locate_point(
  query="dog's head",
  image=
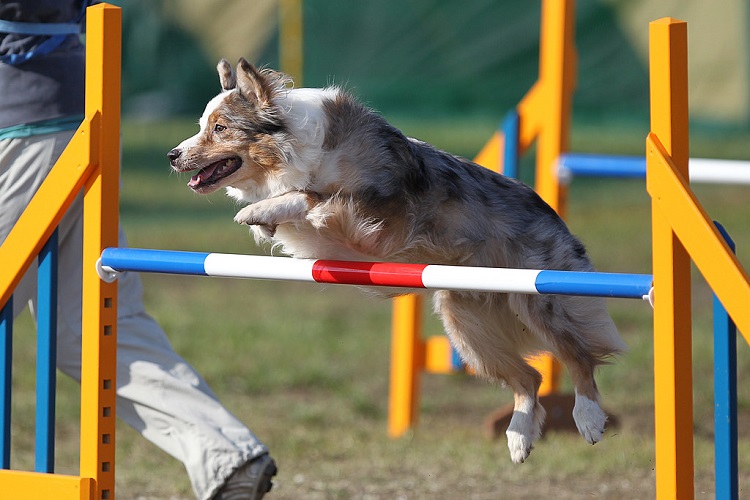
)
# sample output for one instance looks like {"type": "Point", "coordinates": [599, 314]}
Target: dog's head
{"type": "Point", "coordinates": [241, 133]}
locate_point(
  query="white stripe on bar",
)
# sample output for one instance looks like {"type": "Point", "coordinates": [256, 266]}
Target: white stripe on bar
{"type": "Point", "coordinates": [258, 267]}
{"type": "Point", "coordinates": [478, 279]}
{"type": "Point", "coordinates": [719, 171]}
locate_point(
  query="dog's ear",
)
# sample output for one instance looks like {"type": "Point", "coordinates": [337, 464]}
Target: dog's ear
{"type": "Point", "coordinates": [226, 75]}
{"type": "Point", "coordinates": [253, 84]}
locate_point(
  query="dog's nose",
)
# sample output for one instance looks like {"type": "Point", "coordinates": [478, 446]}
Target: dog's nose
{"type": "Point", "coordinates": [174, 154]}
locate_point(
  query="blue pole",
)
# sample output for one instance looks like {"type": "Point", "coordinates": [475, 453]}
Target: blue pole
{"type": "Point", "coordinates": [602, 165]}
{"type": "Point", "coordinates": [46, 356]}
{"type": "Point", "coordinates": [6, 359]}
{"type": "Point", "coordinates": [509, 126]}
{"type": "Point", "coordinates": [725, 396]}
{"type": "Point", "coordinates": [510, 147]}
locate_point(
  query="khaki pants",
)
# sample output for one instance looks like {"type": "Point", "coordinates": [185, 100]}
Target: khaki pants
{"type": "Point", "coordinates": [159, 393]}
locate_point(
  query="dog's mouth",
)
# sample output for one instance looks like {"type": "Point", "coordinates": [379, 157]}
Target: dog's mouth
{"type": "Point", "coordinates": [210, 175]}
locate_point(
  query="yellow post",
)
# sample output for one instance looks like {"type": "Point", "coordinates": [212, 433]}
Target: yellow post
{"type": "Point", "coordinates": [673, 399]}
{"type": "Point", "coordinates": [407, 361]}
{"type": "Point", "coordinates": [552, 107]}
{"type": "Point", "coordinates": [491, 153]}
{"type": "Point", "coordinates": [100, 229]}
{"type": "Point", "coordinates": [557, 67]}
{"type": "Point", "coordinates": [291, 39]}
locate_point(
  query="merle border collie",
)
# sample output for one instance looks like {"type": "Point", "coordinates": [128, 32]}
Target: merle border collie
{"type": "Point", "coordinates": [324, 177]}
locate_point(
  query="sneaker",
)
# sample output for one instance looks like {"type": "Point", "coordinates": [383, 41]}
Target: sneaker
{"type": "Point", "coordinates": [250, 482]}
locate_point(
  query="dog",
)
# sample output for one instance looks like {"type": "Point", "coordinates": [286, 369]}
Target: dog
{"type": "Point", "coordinates": [324, 177]}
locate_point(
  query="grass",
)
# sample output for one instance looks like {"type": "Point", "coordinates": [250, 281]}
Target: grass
{"type": "Point", "coordinates": [306, 366]}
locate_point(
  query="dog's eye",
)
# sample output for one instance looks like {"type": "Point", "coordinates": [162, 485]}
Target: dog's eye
{"type": "Point", "coordinates": [219, 128]}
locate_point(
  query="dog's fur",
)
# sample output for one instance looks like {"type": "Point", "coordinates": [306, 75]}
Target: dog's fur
{"type": "Point", "coordinates": [325, 177]}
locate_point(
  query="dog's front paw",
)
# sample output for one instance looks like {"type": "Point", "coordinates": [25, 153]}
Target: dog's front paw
{"type": "Point", "coordinates": [288, 207]}
{"type": "Point", "coordinates": [251, 216]}
{"type": "Point", "coordinates": [589, 418]}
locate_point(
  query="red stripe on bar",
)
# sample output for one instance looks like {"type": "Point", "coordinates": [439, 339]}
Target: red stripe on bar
{"type": "Point", "coordinates": [369, 273]}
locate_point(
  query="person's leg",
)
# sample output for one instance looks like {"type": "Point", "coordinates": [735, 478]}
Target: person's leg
{"type": "Point", "coordinates": [24, 164]}
{"type": "Point", "coordinates": [159, 393]}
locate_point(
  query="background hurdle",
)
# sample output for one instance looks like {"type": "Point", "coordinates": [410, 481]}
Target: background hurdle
{"type": "Point", "coordinates": [543, 115]}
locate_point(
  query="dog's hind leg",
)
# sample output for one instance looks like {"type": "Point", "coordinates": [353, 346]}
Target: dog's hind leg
{"type": "Point", "coordinates": [579, 331]}
{"type": "Point", "coordinates": [491, 341]}
{"type": "Point", "coordinates": [528, 415]}
{"type": "Point", "coordinates": [590, 419]}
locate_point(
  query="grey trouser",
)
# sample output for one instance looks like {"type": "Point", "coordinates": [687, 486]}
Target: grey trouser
{"type": "Point", "coordinates": [159, 393]}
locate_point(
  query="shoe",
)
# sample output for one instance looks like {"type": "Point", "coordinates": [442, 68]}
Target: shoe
{"type": "Point", "coordinates": [250, 482]}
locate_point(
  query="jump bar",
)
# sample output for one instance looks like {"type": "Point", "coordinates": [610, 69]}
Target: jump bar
{"type": "Point", "coordinates": [702, 170]}
{"type": "Point", "coordinates": [436, 277]}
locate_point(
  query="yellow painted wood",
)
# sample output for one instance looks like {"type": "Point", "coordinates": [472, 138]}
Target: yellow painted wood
{"type": "Point", "coordinates": [551, 370]}
{"type": "Point", "coordinates": [407, 362]}
{"type": "Point", "coordinates": [676, 202]}
{"type": "Point", "coordinates": [291, 39]}
{"type": "Point", "coordinates": [673, 401]}
{"type": "Point", "coordinates": [21, 485]}
{"type": "Point", "coordinates": [668, 89]}
{"type": "Point", "coordinates": [490, 156]}
{"type": "Point", "coordinates": [100, 229]}
{"type": "Point", "coordinates": [438, 355]}
{"type": "Point", "coordinates": [552, 108]}
{"type": "Point", "coordinates": [557, 75]}
{"type": "Point", "coordinates": [531, 114]}
{"type": "Point", "coordinates": [46, 209]}
{"type": "Point", "coordinates": [672, 363]}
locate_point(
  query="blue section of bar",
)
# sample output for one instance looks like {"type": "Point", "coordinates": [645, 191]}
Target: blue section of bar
{"type": "Point", "coordinates": [630, 286]}
{"type": "Point", "coordinates": [603, 165]}
{"type": "Point", "coordinates": [154, 261]}
{"type": "Point", "coordinates": [46, 356]}
{"type": "Point", "coordinates": [6, 362]}
{"type": "Point", "coordinates": [725, 396]}
{"type": "Point", "coordinates": [510, 144]}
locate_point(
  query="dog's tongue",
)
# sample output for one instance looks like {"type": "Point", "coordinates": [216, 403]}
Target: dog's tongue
{"type": "Point", "coordinates": [204, 174]}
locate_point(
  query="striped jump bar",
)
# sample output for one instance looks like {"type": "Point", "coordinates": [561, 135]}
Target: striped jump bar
{"type": "Point", "coordinates": [486, 279]}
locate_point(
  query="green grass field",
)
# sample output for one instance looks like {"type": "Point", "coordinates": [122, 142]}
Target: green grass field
{"type": "Point", "coordinates": [306, 366]}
